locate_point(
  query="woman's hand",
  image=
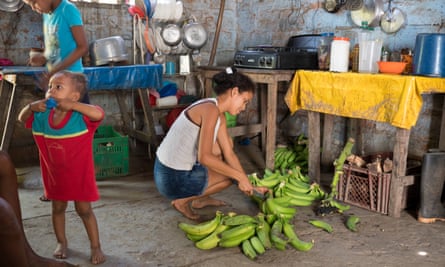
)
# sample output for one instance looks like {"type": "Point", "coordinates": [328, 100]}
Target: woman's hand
{"type": "Point", "coordinates": [246, 187]}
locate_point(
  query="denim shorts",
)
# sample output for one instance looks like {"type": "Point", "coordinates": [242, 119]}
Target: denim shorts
{"type": "Point", "coordinates": [174, 184]}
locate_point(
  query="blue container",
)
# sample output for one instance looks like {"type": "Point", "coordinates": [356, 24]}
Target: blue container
{"type": "Point", "coordinates": [429, 55]}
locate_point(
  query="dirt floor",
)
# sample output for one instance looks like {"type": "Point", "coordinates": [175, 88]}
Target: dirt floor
{"type": "Point", "coordinates": [138, 227]}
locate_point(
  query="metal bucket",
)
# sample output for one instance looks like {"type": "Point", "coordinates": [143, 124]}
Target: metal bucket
{"type": "Point", "coordinates": [429, 55]}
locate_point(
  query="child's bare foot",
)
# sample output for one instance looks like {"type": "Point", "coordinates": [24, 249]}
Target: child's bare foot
{"type": "Point", "coordinates": [184, 209]}
{"type": "Point", "coordinates": [97, 256]}
{"type": "Point", "coordinates": [60, 251]}
{"type": "Point", "coordinates": [207, 201]}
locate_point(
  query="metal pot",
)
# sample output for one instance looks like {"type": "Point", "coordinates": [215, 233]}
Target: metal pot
{"type": "Point", "coordinates": [108, 50]}
{"type": "Point", "coordinates": [195, 35]}
{"type": "Point", "coordinates": [370, 12]}
{"type": "Point", "coordinates": [171, 34]}
{"type": "Point", "coordinates": [11, 5]}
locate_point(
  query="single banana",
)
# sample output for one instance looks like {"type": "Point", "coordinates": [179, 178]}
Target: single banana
{"type": "Point", "coordinates": [257, 245]}
{"type": "Point", "coordinates": [196, 238]}
{"type": "Point", "coordinates": [263, 234]}
{"type": "Point", "coordinates": [299, 189]}
{"type": "Point", "coordinates": [211, 241]}
{"type": "Point", "coordinates": [298, 195]}
{"type": "Point", "coordinates": [297, 182]}
{"type": "Point", "coordinates": [351, 222]}
{"type": "Point", "coordinates": [236, 240]}
{"type": "Point", "coordinates": [322, 225]}
{"type": "Point", "coordinates": [237, 231]}
{"type": "Point", "coordinates": [294, 241]}
{"type": "Point", "coordinates": [239, 219]}
{"type": "Point", "coordinates": [248, 250]}
{"type": "Point", "coordinates": [275, 232]}
{"type": "Point", "coordinates": [275, 208]}
{"type": "Point", "coordinates": [341, 207]}
{"type": "Point", "coordinates": [203, 228]}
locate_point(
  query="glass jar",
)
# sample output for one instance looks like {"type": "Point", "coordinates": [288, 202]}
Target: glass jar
{"type": "Point", "coordinates": [324, 50]}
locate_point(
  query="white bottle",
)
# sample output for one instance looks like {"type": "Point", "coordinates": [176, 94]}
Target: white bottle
{"type": "Point", "coordinates": [339, 60]}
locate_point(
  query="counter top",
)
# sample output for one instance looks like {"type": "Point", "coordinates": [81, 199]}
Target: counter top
{"type": "Point", "coordinates": [106, 77]}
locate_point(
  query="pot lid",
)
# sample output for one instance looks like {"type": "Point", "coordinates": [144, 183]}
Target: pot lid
{"type": "Point", "coordinates": [392, 20]}
{"type": "Point", "coordinates": [370, 12]}
{"type": "Point", "coordinates": [11, 5]}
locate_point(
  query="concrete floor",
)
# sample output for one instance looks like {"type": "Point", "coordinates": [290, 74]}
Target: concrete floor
{"type": "Point", "coordinates": [139, 228]}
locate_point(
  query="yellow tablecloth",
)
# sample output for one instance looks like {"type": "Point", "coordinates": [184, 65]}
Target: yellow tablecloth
{"type": "Point", "coordinates": [395, 99]}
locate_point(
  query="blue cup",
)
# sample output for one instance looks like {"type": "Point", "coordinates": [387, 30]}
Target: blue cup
{"type": "Point", "coordinates": [170, 68]}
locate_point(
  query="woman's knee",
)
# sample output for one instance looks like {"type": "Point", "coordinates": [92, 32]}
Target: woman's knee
{"type": "Point", "coordinates": [59, 207]}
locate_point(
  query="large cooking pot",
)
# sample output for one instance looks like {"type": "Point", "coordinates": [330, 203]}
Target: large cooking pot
{"type": "Point", "coordinates": [108, 51]}
{"type": "Point", "coordinates": [429, 54]}
{"type": "Point", "coordinates": [11, 5]}
{"type": "Point", "coordinates": [195, 35]}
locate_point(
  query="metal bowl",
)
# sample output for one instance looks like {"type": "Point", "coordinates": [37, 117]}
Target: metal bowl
{"type": "Point", "coordinates": [108, 50]}
{"type": "Point", "coordinates": [11, 5]}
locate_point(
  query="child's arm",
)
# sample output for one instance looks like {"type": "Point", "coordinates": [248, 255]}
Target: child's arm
{"type": "Point", "coordinates": [36, 106]}
{"type": "Point", "coordinates": [94, 113]}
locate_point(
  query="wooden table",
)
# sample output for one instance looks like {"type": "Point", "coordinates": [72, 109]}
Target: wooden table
{"type": "Point", "coordinates": [394, 99]}
{"type": "Point", "coordinates": [113, 79]}
{"type": "Point", "coordinates": [268, 99]}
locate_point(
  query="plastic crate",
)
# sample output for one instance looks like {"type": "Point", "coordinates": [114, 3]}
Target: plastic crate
{"type": "Point", "coordinates": [364, 188]}
{"type": "Point", "coordinates": [110, 150]}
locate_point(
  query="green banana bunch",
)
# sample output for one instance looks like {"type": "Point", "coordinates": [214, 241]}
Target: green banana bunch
{"type": "Point", "coordinates": [351, 222]}
{"type": "Point", "coordinates": [270, 181]}
{"type": "Point", "coordinates": [275, 235]}
{"type": "Point", "coordinates": [263, 231]}
{"type": "Point", "coordinates": [201, 229]}
{"type": "Point", "coordinates": [236, 235]}
{"type": "Point", "coordinates": [282, 211]}
{"type": "Point", "coordinates": [248, 250]}
{"type": "Point", "coordinates": [322, 225]}
{"type": "Point", "coordinates": [294, 241]}
{"type": "Point", "coordinates": [257, 245]}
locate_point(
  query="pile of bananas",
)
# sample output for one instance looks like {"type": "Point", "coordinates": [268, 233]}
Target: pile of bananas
{"type": "Point", "coordinates": [291, 187]}
{"type": "Point", "coordinates": [294, 154]}
{"type": "Point", "coordinates": [253, 234]}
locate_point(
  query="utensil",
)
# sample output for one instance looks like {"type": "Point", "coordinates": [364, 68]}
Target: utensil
{"type": "Point", "coordinates": [392, 20]}
{"type": "Point", "coordinates": [171, 34]}
{"type": "Point", "coordinates": [195, 35]}
{"type": "Point", "coordinates": [371, 12]}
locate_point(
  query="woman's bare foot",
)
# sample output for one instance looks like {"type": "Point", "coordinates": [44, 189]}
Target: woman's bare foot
{"type": "Point", "coordinates": [184, 209]}
{"type": "Point", "coordinates": [207, 201]}
{"type": "Point", "coordinates": [97, 256]}
{"type": "Point", "coordinates": [60, 251]}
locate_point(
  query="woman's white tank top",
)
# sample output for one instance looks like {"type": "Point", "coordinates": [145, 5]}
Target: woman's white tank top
{"type": "Point", "coordinates": [179, 148]}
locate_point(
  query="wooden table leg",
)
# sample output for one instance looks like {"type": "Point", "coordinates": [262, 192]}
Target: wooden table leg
{"type": "Point", "coordinates": [442, 129]}
{"type": "Point", "coordinates": [314, 145]}
{"type": "Point", "coordinates": [397, 188]}
{"type": "Point", "coordinates": [270, 123]}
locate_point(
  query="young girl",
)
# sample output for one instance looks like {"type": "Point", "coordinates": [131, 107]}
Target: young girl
{"type": "Point", "coordinates": [196, 158]}
{"type": "Point", "coordinates": [64, 136]}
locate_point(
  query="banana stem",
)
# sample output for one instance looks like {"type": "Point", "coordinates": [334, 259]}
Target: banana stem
{"type": "Point", "coordinates": [338, 163]}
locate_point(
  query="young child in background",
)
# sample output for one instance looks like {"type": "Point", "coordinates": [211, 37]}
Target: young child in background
{"type": "Point", "coordinates": [64, 136]}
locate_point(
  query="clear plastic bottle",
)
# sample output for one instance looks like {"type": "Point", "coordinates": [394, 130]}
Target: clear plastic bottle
{"type": "Point", "coordinates": [324, 50]}
{"type": "Point", "coordinates": [339, 60]}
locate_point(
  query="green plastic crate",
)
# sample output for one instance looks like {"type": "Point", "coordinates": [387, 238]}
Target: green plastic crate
{"type": "Point", "coordinates": [110, 150]}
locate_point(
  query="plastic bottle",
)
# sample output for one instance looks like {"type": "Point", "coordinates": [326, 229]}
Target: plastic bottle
{"type": "Point", "coordinates": [370, 50]}
{"type": "Point", "coordinates": [324, 50]}
{"type": "Point", "coordinates": [339, 60]}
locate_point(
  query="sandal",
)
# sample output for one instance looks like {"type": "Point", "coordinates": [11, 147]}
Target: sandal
{"type": "Point", "coordinates": [43, 198]}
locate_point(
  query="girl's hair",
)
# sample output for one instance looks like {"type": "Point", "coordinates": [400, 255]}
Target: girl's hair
{"type": "Point", "coordinates": [229, 79]}
{"type": "Point", "coordinates": [78, 79]}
